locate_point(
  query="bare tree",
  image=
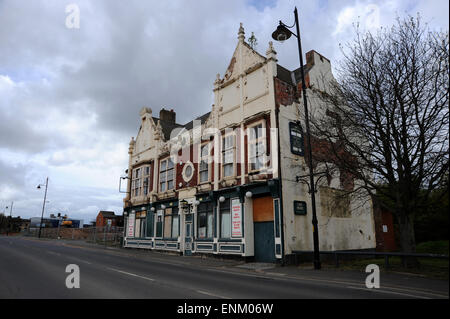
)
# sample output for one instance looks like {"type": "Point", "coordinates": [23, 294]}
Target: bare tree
{"type": "Point", "coordinates": [387, 123]}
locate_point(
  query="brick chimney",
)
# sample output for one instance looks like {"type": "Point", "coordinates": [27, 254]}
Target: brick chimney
{"type": "Point", "coordinates": [169, 116]}
{"type": "Point", "coordinates": [312, 57]}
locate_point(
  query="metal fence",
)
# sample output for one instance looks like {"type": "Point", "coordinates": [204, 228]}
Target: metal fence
{"type": "Point", "coordinates": [109, 236]}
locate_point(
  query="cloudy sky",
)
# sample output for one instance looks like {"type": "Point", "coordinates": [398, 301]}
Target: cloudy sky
{"type": "Point", "coordinates": [70, 97]}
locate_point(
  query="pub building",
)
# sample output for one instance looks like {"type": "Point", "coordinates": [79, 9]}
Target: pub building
{"type": "Point", "coordinates": [225, 183]}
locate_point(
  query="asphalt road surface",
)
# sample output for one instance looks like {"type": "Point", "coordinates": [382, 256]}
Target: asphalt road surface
{"type": "Point", "coordinates": [31, 268]}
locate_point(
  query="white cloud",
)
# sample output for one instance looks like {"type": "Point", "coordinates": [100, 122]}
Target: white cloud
{"type": "Point", "coordinates": [69, 98]}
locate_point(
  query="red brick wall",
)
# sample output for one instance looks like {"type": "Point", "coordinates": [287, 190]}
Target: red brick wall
{"type": "Point", "coordinates": [102, 221]}
{"type": "Point", "coordinates": [99, 221]}
{"type": "Point", "coordinates": [284, 93]}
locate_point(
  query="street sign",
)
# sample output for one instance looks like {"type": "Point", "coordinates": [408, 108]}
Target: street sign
{"type": "Point", "coordinates": [299, 207]}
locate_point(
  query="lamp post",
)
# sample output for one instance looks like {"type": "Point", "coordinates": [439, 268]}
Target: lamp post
{"type": "Point", "coordinates": [283, 33]}
{"type": "Point", "coordinates": [43, 205]}
{"type": "Point", "coordinates": [10, 209]}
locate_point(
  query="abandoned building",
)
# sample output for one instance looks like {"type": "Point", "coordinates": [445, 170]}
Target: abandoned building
{"type": "Point", "coordinates": [225, 183]}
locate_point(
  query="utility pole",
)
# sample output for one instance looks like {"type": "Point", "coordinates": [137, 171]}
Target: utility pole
{"type": "Point", "coordinates": [43, 205]}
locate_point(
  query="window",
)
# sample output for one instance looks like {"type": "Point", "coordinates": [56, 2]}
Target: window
{"type": "Point", "coordinates": [136, 182]}
{"type": "Point", "coordinates": [146, 180]}
{"type": "Point", "coordinates": [205, 220]}
{"type": "Point", "coordinates": [257, 147]}
{"type": "Point", "coordinates": [139, 228]}
{"type": "Point", "coordinates": [188, 172]}
{"type": "Point", "coordinates": [166, 175]}
{"type": "Point", "coordinates": [140, 181]}
{"type": "Point", "coordinates": [228, 155]}
{"type": "Point", "coordinates": [175, 225]}
{"type": "Point", "coordinates": [159, 223]}
{"type": "Point", "coordinates": [204, 163]}
{"type": "Point", "coordinates": [225, 219]}
{"type": "Point", "coordinates": [171, 223]}
{"type": "Point", "coordinates": [150, 224]}
{"type": "Point", "coordinates": [143, 230]}
{"type": "Point", "coordinates": [296, 136]}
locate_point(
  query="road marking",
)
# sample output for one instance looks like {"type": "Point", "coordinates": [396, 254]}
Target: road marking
{"type": "Point", "coordinates": [53, 253]}
{"type": "Point", "coordinates": [81, 260]}
{"type": "Point", "coordinates": [388, 292]}
{"type": "Point", "coordinates": [425, 292]}
{"type": "Point", "coordinates": [340, 282]}
{"type": "Point", "coordinates": [211, 294]}
{"type": "Point", "coordinates": [131, 274]}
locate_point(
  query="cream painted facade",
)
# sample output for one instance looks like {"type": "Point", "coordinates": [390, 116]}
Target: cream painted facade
{"type": "Point", "coordinates": [241, 201]}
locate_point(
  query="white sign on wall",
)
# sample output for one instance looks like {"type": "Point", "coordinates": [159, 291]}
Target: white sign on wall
{"type": "Point", "coordinates": [131, 225]}
{"type": "Point", "coordinates": [236, 218]}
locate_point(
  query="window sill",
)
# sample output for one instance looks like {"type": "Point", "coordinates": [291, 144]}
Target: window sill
{"type": "Point", "coordinates": [228, 181]}
{"type": "Point", "coordinates": [167, 194]}
{"type": "Point", "coordinates": [204, 186]}
{"type": "Point", "coordinates": [258, 176]}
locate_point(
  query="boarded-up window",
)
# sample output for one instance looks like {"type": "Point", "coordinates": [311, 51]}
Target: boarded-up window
{"type": "Point", "coordinates": [225, 219]}
{"type": "Point", "coordinates": [205, 220]}
{"type": "Point", "coordinates": [263, 209]}
{"type": "Point", "coordinates": [334, 202]}
{"type": "Point", "coordinates": [168, 223]}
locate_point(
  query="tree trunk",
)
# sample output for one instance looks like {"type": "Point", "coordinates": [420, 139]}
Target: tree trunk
{"type": "Point", "coordinates": [407, 239]}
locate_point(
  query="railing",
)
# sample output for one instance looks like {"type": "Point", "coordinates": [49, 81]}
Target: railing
{"type": "Point", "coordinates": [386, 255]}
{"type": "Point", "coordinates": [110, 236]}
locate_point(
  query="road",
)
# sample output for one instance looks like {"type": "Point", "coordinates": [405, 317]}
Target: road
{"type": "Point", "coordinates": [32, 268]}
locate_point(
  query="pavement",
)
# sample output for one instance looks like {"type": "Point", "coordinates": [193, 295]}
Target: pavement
{"type": "Point", "coordinates": [36, 268]}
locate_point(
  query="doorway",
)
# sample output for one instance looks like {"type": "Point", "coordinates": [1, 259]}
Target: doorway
{"type": "Point", "coordinates": [188, 236]}
{"type": "Point", "coordinates": [263, 226]}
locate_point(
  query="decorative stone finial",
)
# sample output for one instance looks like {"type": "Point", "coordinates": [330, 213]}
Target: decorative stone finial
{"type": "Point", "coordinates": [241, 33]}
{"type": "Point", "coordinates": [158, 131]}
{"type": "Point", "coordinates": [131, 146]}
{"type": "Point", "coordinates": [218, 80]}
{"type": "Point", "coordinates": [145, 110]}
{"type": "Point", "coordinates": [271, 53]}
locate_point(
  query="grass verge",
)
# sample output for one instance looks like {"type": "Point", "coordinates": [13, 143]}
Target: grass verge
{"type": "Point", "coordinates": [428, 267]}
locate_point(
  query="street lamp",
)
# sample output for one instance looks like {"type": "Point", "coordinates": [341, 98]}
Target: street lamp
{"type": "Point", "coordinates": [10, 218]}
{"type": "Point", "coordinates": [10, 209]}
{"type": "Point", "coordinates": [43, 204]}
{"type": "Point", "coordinates": [281, 34]}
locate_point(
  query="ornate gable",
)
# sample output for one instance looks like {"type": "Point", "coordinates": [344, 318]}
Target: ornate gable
{"type": "Point", "coordinates": [146, 131]}
{"type": "Point", "coordinates": [244, 58]}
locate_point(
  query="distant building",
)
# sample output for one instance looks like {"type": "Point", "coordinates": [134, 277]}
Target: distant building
{"type": "Point", "coordinates": [53, 221]}
{"type": "Point", "coordinates": [107, 218]}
